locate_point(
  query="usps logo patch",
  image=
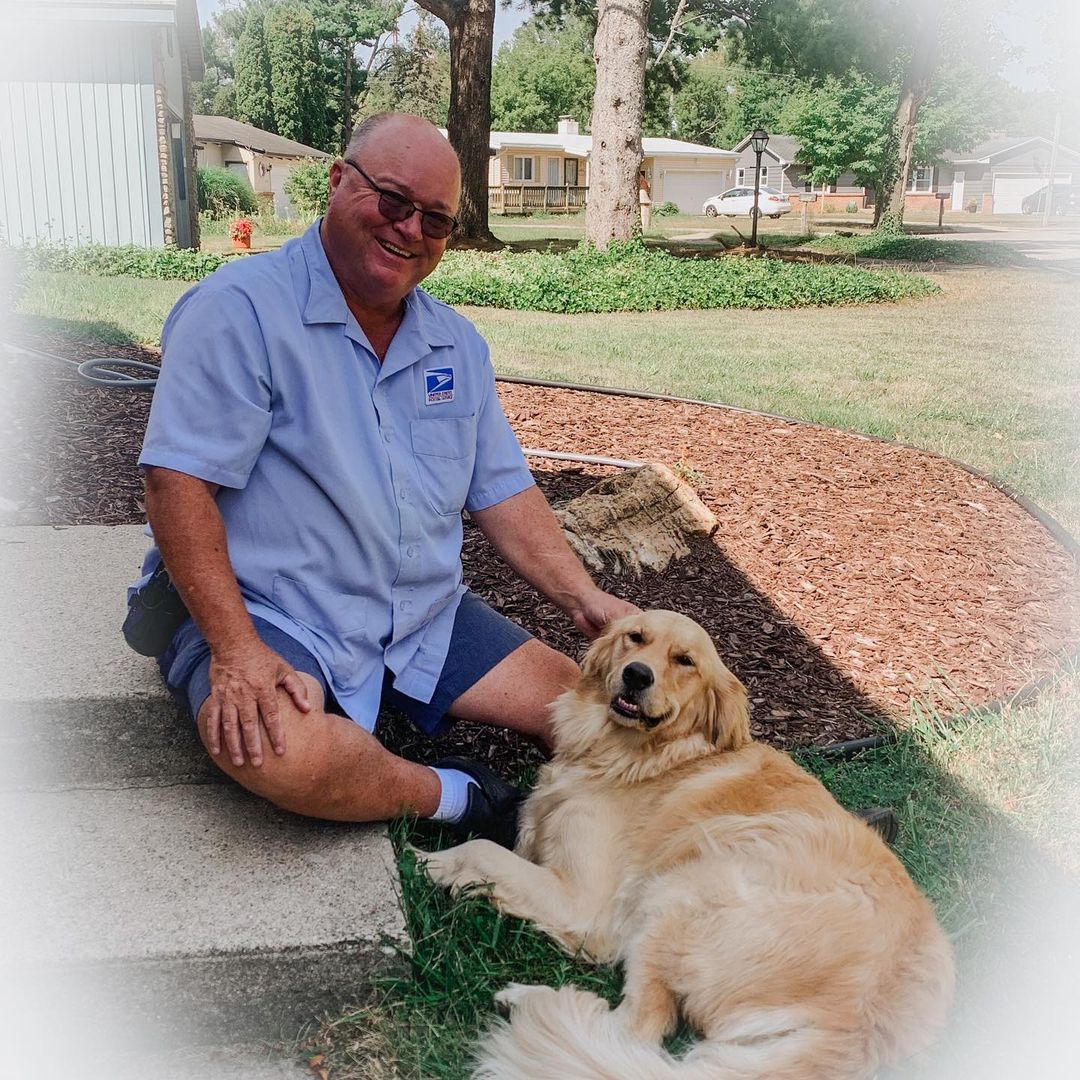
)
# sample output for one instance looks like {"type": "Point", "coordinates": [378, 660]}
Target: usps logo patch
{"type": "Point", "coordinates": [439, 382]}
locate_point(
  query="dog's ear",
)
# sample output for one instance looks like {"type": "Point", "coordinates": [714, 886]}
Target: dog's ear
{"type": "Point", "coordinates": [598, 660]}
{"type": "Point", "coordinates": [727, 713]}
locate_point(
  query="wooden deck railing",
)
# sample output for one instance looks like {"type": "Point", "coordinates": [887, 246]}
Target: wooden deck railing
{"type": "Point", "coordinates": [524, 199]}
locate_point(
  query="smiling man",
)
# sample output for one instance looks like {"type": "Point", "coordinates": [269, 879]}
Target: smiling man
{"type": "Point", "coordinates": [319, 425]}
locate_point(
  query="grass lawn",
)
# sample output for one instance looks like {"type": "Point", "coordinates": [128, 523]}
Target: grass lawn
{"type": "Point", "coordinates": [988, 371]}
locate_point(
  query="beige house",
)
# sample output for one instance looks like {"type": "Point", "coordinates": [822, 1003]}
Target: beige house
{"type": "Point", "coordinates": [263, 159]}
{"type": "Point", "coordinates": [550, 171]}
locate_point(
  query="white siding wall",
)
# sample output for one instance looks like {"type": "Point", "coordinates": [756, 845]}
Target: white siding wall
{"type": "Point", "coordinates": [78, 144]}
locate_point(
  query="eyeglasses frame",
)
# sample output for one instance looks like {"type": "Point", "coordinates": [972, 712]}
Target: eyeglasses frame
{"type": "Point", "coordinates": [397, 198]}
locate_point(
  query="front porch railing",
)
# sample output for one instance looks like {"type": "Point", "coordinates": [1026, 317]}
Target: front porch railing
{"type": "Point", "coordinates": [526, 199]}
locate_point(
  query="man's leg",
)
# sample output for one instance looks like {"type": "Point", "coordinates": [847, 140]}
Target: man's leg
{"type": "Point", "coordinates": [517, 693]}
{"type": "Point", "coordinates": [332, 768]}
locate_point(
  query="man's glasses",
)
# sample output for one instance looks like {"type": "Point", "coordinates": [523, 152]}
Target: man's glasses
{"type": "Point", "coordinates": [395, 207]}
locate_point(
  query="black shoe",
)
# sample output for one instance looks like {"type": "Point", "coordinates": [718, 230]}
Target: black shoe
{"type": "Point", "coordinates": [883, 820]}
{"type": "Point", "coordinates": [492, 808]}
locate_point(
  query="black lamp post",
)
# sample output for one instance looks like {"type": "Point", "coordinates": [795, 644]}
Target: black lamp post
{"type": "Point", "coordinates": [759, 139]}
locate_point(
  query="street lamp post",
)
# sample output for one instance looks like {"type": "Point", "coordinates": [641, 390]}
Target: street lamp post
{"type": "Point", "coordinates": [759, 139]}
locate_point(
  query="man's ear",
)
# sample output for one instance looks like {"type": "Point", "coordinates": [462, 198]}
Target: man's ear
{"type": "Point", "coordinates": [727, 713]}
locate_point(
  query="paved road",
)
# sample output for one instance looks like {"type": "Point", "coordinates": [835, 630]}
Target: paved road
{"type": "Point", "coordinates": [1057, 244]}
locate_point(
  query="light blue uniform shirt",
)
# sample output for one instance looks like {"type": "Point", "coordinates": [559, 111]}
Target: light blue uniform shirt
{"type": "Point", "coordinates": [342, 479]}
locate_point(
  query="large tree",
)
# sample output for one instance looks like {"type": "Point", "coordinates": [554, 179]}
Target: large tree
{"type": "Point", "coordinates": [297, 91]}
{"type": "Point", "coordinates": [414, 76]}
{"type": "Point", "coordinates": [544, 72]}
{"type": "Point", "coordinates": [471, 26]}
{"type": "Point", "coordinates": [254, 97]}
{"type": "Point", "coordinates": [621, 47]}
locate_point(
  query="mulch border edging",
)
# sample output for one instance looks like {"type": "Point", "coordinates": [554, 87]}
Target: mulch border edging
{"type": "Point", "coordinates": [1058, 531]}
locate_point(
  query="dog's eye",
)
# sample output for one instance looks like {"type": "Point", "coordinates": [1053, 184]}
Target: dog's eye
{"type": "Point", "coordinates": [637, 637]}
{"type": "Point", "coordinates": [685, 659]}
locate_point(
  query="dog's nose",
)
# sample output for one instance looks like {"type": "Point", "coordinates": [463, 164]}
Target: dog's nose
{"type": "Point", "coordinates": [637, 676]}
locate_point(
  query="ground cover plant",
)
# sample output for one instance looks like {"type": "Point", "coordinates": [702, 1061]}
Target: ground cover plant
{"type": "Point", "coordinates": [163, 263]}
{"type": "Point", "coordinates": [634, 277]}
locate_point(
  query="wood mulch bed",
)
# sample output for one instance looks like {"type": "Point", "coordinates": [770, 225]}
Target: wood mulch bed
{"type": "Point", "coordinates": [848, 577]}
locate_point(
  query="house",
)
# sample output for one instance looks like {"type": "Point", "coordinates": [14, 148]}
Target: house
{"type": "Point", "coordinates": [263, 159]}
{"type": "Point", "coordinates": [550, 171]}
{"type": "Point", "coordinates": [996, 176]}
{"type": "Point", "coordinates": [95, 122]}
{"type": "Point", "coordinates": [781, 169]}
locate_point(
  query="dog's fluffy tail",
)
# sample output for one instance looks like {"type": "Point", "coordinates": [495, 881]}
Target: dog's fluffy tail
{"type": "Point", "coordinates": [559, 1034]}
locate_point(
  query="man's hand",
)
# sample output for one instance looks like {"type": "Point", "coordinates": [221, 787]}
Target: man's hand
{"type": "Point", "coordinates": [596, 610]}
{"type": "Point", "coordinates": [243, 699]}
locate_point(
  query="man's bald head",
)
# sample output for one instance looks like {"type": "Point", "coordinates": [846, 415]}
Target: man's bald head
{"type": "Point", "coordinates": [372, 131]}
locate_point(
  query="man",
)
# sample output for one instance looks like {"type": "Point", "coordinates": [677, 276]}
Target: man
{"type": "Point", "coordinates": [317, 429]}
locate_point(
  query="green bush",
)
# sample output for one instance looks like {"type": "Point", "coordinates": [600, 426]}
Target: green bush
{"type": "Point", "coordinates": [308, 188]}
{"type": "Point", "coordinates": [221, 193]}
{"type": "Point", "coordinates": [851, 208]}
{"type": "Point", "coordinates": [669, 209]}
{"type": "Point", "coordinates": [633, 277]}
{"type": "Point", "coordinates": [167, 263]}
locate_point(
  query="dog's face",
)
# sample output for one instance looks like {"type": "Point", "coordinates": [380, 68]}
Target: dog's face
{"type": "Point", "coordinates": [659, 671]}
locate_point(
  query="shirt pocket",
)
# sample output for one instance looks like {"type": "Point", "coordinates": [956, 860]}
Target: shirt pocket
{"type": "Point", "coordinates": [336, 620]}
{"type": "Point", "coordinates": [445, 452]}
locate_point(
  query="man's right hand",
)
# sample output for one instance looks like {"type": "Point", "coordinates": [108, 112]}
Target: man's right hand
{"type": "Point", "coordinates": [244, 699]}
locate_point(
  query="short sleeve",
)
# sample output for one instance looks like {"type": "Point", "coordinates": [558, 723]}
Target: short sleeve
{"type": "Point", "coordinates": [500, 470]}
{"type": "Point", "coordinates": [211, 410]}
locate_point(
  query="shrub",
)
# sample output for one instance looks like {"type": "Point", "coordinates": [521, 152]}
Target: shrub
{"type": "Point", "coordinates": [168, 263]}
{"type": "Point", "coordinates": [971, 206]}
{"type": "Point", "coordinates": [633, 277]}
{"type": "Point", "coordinates": [851, 208]}
{"type": "Point", "coordinates": [827, 208]}
{"type": "Point", "coordinates": [308, 188]}
{"type": "Point", "coordinates": [669, 209]}
{"type": "Point", "coordinates": [221, 193]}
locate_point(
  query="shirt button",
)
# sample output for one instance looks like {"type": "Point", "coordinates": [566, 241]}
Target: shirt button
{"type": "Point", "coordinates": [386, 436]}
{"type": "Point", "coordinates": [405, 605]}
{"type": "Point", "coordinates": [403, 494]}
{"type": "Point", "coordinates": [411, 551]}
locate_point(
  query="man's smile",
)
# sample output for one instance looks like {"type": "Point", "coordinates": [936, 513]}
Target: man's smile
{"type": "Point", "coordinates": [401, 253]}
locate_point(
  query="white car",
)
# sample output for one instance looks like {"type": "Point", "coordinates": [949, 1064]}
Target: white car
{"type": "Point", "coordinates": [740, 200]}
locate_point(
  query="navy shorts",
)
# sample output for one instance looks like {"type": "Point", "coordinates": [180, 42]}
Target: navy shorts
{"type": "Point", "coordinates": [481, 639]}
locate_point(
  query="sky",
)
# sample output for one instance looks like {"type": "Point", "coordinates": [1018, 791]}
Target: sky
{"type": "Point", "coordinates": [1035, 27]}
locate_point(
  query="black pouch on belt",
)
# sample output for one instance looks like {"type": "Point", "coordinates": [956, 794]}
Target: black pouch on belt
{"type": "Point", "coordinates": [155, 613]}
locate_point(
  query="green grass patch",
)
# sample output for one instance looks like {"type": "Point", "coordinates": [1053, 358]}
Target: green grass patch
{"type": "Point", "coordinates": [633, 277]}
{"type": "Point", "coordinates": [921, 249]}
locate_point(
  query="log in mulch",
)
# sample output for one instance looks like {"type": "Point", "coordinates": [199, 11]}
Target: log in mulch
{"type": "Point", "coordinates": [848, 576]}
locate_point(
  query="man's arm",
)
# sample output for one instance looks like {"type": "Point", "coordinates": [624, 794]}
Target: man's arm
{"type": "Point", "coordinates": [527, 535]}
{"type": "Point", "coordinates": [244, 672]}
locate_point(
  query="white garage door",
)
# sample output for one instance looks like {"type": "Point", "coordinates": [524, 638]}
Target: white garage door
{"type": "Point", "coordinates": [688, 190]}
{"type": "Point", "coordinates": [1011, 191]}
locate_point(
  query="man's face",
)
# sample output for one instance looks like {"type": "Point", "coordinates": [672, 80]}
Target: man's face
{"type": "Point", "coordinates": [376, 260]}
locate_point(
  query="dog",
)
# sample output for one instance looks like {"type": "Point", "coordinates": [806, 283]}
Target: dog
{"type": "Point", "coordinates": [734, 890]}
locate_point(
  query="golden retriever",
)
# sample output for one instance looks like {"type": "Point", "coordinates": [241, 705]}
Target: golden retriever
{"type": "Point", "coordinates": [733, 889]}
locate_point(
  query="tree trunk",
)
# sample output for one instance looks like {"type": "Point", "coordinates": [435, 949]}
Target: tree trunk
{"type": "Point", "coordinates": [620, 49]}
{"type": "Point", "coordinates": [471, 25]}
{"type": "Point", "coordinates": [918, 76]}
{"type": "Point", "coordinates": [346, 102]}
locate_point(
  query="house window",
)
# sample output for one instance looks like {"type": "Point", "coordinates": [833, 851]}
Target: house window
{"type": "Point", "coordinates": [552, 172]}
{"type": "Point", "coordinates": [922, 178]}
{"type": "Point", "coordinates": [521, 168]}
{"type": "Point", "coordinates": [764, 175]}
{"type": "Point", "coordinates": [740, 177]}
{"type": "Point", "coordinates": [570, 168]}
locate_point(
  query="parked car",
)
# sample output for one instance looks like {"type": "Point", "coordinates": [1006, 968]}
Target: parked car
{"type": "Point", "coordinates": [1066, 200]}
{"type": "Point", "coordinates": [740, 200]}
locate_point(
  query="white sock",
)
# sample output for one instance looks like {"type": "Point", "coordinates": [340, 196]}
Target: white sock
{"type": "Point", "coordinates": [454, 794]}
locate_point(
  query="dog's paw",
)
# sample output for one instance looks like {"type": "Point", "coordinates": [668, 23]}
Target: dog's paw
{"type": "Point", "coordinates": [513, 994]}
{"type": "Point", "coordinates": [453, 869]}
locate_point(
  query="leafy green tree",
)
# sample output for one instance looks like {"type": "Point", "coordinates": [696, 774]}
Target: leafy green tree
{"type": "Point", "coordinates": [308, 188]}
{"type": "Point", "coordinates": [414, 77]}
{"type": "Point", "coordinates": [545, 71]}
{"type": "Point", "coordinates": [254, 96]}
{"type": "Point", "coordinates": [297, 90]}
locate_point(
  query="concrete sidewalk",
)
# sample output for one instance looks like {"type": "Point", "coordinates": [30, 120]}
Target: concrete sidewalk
{"type": "Point", "coordinates": [148, 906]}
